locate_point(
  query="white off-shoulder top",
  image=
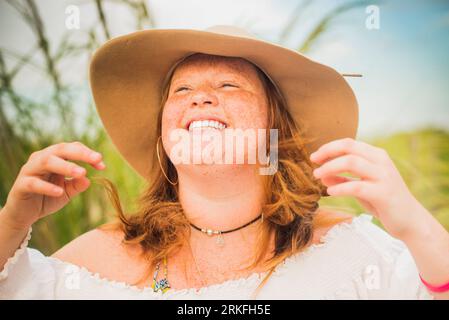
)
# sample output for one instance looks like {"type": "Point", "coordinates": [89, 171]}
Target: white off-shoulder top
{"type": "Point", "coordinates": [355, 260]}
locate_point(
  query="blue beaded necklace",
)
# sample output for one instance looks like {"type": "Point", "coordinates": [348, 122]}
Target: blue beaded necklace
{"type": "Point", "coordinates": [162, 284]}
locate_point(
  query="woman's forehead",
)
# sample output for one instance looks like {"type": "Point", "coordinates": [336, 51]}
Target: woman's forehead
{"type": "Point", "coordinates": [199, 62]}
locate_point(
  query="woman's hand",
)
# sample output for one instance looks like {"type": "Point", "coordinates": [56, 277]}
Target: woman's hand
{"type": "Point", "coordinates": [41, 187]}
{"type": "Point", "coordinates": [379, 186]}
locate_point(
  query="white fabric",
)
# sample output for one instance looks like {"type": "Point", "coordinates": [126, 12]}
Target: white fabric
{"type": "Point", "coordinates": [356, 260]}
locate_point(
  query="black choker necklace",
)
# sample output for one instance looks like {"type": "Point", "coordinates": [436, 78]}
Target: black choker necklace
{"type": "Point", "coordinates": [220, 240]}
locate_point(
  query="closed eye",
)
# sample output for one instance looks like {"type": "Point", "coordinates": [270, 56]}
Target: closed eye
{"type": "Point", "coordinates": [223, 85]}
{"type": "Point", "coordinates": [230, 85]}
{"type": "Point", "coordinates": [181, 88]}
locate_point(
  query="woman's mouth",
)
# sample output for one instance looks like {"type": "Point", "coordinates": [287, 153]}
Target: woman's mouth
{"type": "Point", "coordinates": [206, 124]}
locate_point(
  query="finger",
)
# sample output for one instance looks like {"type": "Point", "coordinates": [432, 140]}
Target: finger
{"type": "Point", "coordinates": [76, 186]}
{"type": "Point", "coordinates": [77, 151]}
{"type": "Point", "coordinates": [54, 164]}
{"type": "Point", "coordinates": [360, 189]}
{"type": "Point", "coordinates": [332, 180]}
{"type": "Point", "coordinates": [349, 163]}
{"type": "Point", "coordinates": [344, 146]}
{"type": "Point", "coordinates": [35, 185]}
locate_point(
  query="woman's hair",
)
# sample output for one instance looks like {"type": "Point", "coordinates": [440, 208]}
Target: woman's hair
{"type": "Point", "coordinates": [160, 227]}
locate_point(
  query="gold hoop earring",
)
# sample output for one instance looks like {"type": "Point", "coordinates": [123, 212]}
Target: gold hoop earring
{"type": "Point", "coordinates": [160, 165]}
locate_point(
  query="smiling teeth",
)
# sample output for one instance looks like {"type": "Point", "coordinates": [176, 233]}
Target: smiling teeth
{"type": "Point", "coordinates": [207, 123]}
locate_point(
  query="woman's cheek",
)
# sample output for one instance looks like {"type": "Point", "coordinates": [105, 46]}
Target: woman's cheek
{"type": "Point", "coordinates": [248, 114]}
{"type": "Point", "coordinates": [171, 120]}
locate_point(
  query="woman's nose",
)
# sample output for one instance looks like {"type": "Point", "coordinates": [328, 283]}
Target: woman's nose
{"type": "Point", "coordinates": [203, 97]}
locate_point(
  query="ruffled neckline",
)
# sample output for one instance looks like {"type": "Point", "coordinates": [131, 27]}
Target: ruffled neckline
{"type": "Point", "coordinates": [250, 280]}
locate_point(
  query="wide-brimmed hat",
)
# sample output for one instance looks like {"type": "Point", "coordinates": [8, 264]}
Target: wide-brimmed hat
{"type": "Point", "coordinates": [127, 75]}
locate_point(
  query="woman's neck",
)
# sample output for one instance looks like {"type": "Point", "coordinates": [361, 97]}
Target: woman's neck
{"type": "Point", "coordinates": [221, 199]}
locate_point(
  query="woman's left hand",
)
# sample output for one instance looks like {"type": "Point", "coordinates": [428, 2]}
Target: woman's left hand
{"type": "Point", "coordinates": [379, 186]}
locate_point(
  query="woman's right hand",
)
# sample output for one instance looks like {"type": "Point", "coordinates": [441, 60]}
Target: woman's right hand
{"type": "Point", "coordinates": [41, 188]}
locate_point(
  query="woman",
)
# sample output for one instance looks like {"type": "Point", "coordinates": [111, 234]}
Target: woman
{"type": "Point", "coordinates": [223, 230]}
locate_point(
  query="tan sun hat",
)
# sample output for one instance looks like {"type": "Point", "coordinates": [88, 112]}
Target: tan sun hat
{"type": "Point", "coordinates": [127, 74]}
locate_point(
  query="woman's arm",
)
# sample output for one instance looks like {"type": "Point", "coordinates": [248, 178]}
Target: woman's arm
{"type": "Point", "coordinates": [11, 237]}
{"type": "Point", "coordinates": [41, 189]}
{"type": "Point", "coordinates": [428, 243]}
{"type": "Point", "coordinates": [382, 191]}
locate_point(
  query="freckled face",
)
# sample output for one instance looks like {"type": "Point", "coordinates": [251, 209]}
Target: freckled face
{"type": "Point", "coordinates": [228, 89]}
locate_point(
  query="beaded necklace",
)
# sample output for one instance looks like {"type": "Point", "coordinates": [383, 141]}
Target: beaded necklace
{"type": "Point", "coordinates": [162, 284]}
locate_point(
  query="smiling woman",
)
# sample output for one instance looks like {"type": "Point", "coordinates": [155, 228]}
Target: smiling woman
{"type": "Point", "coordinates": [217, 201]}
{"type": "Point", "coordinates": [224, 231]}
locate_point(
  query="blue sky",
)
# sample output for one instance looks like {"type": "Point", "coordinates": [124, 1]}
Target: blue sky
{"type": "Point", "coordinates": [405, 64]}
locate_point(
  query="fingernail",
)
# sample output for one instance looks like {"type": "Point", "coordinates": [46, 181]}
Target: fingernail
{"type": "Point", "coordinates": [57, 190]}
{"type": "Point", "coordinates": [95, 156]}
{"type": "Point", "coordinates": [102, 165]}
{"type": "Point", "coordinates": [316, 172]}
{"type": "Point", "coordinates": [78, 171]}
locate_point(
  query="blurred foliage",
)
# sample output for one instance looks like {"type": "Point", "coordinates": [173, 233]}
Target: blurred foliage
{"type": "Point", "coordinates": [421, 156]}
{"type": "Point", "coordinates": [25, 121]}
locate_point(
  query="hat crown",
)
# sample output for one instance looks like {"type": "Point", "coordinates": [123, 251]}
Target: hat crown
{"type": "Point", "coordinates": [230, 31]}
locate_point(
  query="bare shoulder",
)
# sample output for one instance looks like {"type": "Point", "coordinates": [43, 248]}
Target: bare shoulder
{"type": "Point", "coordinates": [102, 251]}
{"type": "Point", "coordinates": [92, 244]}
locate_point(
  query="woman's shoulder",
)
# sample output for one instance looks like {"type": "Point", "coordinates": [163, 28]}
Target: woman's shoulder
{"type": "Point", "coordinates": [104, 252]}
{"type": "Point", "coordinates": [358, 234]}
{"type": "Point", "coordinates": [354, 259]}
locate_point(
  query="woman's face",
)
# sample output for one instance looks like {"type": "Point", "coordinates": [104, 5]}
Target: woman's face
{"type": "Point", "coordinates": [227, 90]}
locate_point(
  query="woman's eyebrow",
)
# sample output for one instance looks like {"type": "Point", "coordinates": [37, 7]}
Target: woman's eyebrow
{"type": "Point", "coordinates": [233, 78]}
{"type": "Point", "coordinates": [177, 81]}
{"type": "Point", "coordinates": [220, 77]}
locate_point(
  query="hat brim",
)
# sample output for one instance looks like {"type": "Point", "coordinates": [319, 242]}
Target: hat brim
{"type": "Point", "coordinates": [127, 73]}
